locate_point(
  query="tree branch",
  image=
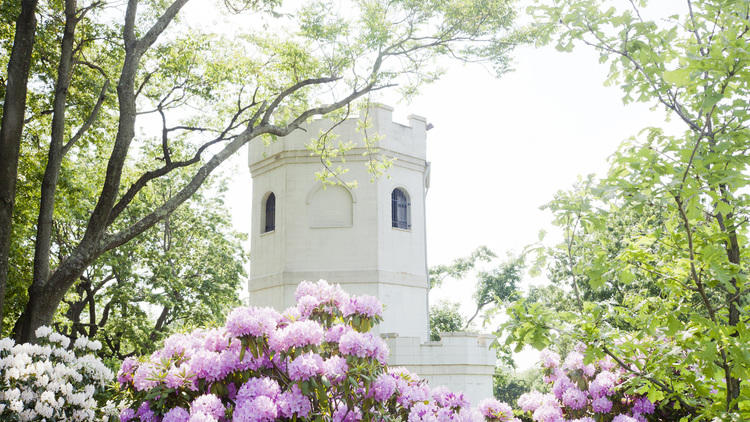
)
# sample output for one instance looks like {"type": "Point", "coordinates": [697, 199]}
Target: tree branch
{"type": "Point", "coordinates": [90, 120]}
{"type": "Point", "coordinates": [159, 26]}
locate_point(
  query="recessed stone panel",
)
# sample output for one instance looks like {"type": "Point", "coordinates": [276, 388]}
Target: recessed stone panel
{"type": "Point", "coordinates": [330, 206]}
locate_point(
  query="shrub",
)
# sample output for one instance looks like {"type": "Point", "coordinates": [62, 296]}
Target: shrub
{"type": "Point", "coordinates": [584, 392]}
{"type": "Point", "coordinates": [315, 361]}
{"type": "Point", "coordinates": [45, 381]}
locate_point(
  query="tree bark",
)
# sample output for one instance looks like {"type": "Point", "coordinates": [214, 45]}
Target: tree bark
{"type": "Point", "coordinates": [11, 129]}
{"type": "Point", "coordinates": [54, 158]}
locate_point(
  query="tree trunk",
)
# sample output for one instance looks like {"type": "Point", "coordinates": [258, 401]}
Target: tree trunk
{"type": "Point", "coordinates": [11, 128]}
{"type": "Point", "coordinates": [733, 304]}
{"type": "Point", "coordinates": [44, 299]}
{"type": "Point", "coordinates": [55, 155]}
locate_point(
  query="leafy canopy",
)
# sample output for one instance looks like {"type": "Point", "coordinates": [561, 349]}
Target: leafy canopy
{"type": "Point", "coordinates": [656, 255]}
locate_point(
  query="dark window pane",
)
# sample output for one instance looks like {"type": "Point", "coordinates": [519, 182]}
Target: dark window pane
{"type": "Point", "coordinates": [270, 213]}
{"type": "Point", "coordinates": [399, 209]}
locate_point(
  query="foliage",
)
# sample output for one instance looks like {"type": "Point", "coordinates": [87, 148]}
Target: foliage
{"type": "Point", "coordinates": [460, 267]}
{"type": "Point", "coordinates": [53, 379]}
{"type": "Point", "coordinates": [655, 256]}
{"type": "Point", "coordinates": [508, 386]}
{"type": "Point", "coordinates": [182, 273]}
{"type": "Point", "coordinates": [495, 286]}
{"type": "Point", "coordinates": [315, 361]}
{"type": "Point", "coordinates": [445, 318]}
{"type": "Point", "coordinates": [585, 392]}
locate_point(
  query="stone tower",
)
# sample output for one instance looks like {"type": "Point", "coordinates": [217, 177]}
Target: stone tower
{"type": "Point", "coordinates": [370, 239]}
{"type": "Point", "coordinates": [341, 235]}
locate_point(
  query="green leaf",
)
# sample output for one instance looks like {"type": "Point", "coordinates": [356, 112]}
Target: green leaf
{"type": "Point", "coordinates": [679, 77]}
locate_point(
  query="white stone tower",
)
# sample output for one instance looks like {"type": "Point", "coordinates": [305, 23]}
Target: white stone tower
{"type": "Point", "coordinates": [370, 239]}
{"type": "Point", "coordinates": [343, 236]}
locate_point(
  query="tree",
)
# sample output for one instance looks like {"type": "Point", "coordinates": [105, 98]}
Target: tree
{"type": "Point", "coordinates": [496, 286]}
{"type": "Point", "coordinates": [445, 318]}
{"type": "Point", "coordinates": [14, 105]}
{"type": "Point", "coordinates": [508, 386]}
{"type": "Point", "coordinates": [460, 267]}
{"type": "Point", "coordinates": [675, 307]}
{"type": "Point", "coordinates": [182, 273]}
{"type": "Point", "coordinates": [213, 95]}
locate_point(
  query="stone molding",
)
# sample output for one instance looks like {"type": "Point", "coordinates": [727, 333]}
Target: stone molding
{"type": "Point", "coordinates": [352, 156]}
{"type": "Point", "coordinates": [293, 278]}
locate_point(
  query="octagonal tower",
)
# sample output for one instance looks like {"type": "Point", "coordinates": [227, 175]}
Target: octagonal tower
{"type": "Point", "coordinates": [370, 239]}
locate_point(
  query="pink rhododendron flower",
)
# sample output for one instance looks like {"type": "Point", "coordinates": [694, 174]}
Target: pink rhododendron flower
{"type": "Point", "coordinates": [258, 409]}
{"type": "Point", "coordinates": [549, 359]}
{"type": "Point", "coordinates": [257, 366]}
{"type": "Point", "coordinates": [383, 387]}
{"type": "Point", "coordinates": [495, 410]}
{"type": "Point", "coordinates": [574, 398]}
{"type": "Point", "coordinates": [548, 412]}
{"type": "Point", "coordinates": [296, 334]}
{"type": "Point", "coordinates": [255, 387]}
{"type": "Point", "coordinates": [364, 305]}
{"type": "Point", "coordinates": [344, 414]}
{"type": "Point", "coordinates": [293, 403]}
{"type": "Point", "coordinates": [305, 366]}
{"type": "Point", "coordinates": [601, 405]}
{"type": "Point", "coordinates": [252, 321]}
{"type": "Point", "coordinates": [208, 404]}
{"type": "Point", "coordinates": [176, 414]}
{"type": "Point", "coordinates": [363, 345]}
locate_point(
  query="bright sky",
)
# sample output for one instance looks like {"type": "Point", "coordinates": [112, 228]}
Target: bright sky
{"type": "Point", "coordinates": [501, 148]}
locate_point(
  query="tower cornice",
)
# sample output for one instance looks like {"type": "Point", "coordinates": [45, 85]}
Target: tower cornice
{"type": "Point", "coordinates": [355, 155]}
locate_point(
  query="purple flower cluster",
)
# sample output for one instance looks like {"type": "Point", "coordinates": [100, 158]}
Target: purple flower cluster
{"type": "Point", "coordinates": [583, 392]}
{"type": "Point", "coordinates": [252, 321]}
{"type": "Point", "coordinates": [311, 359]}
{"type": "Point", "coordinates": [296, 334]}
{"type": "Point", "coordinates": [494, 410]}
{"type": "Point", "coordinates": [325, 293]}
{"type": "Point", "coordinates": [306, 366]}
{"type": "Point", "coordinates": [363, 345]}
{"type": "Point", "coordinates": [364, 305]}
{"type": "Point", "coordinates": [383, 387]}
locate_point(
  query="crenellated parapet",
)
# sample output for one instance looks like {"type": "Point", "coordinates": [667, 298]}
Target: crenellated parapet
{"type": "Point", "coordinates": [462, 360]}
{"type": "Point", "coordinates": [405, 143]}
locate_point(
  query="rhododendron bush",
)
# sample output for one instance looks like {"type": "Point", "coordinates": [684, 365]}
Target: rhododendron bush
{"type": "Point", "coordinates": [47, 381]}
{"type": "Point", "coordinates": [315, 361]}
{"type": "Point", "coordinates": [584, 392]}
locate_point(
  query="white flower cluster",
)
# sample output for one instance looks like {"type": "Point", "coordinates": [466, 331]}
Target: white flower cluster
{"type": "Point", "coordinates": [45, 381]}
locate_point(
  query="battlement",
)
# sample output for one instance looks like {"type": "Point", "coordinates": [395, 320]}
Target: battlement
{"type": "Point", "coordinates": [462, 360]}
{"type": "Point", "coordinates": [393, 138]}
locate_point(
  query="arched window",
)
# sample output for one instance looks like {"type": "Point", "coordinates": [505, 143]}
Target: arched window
{"type": "Point", "coordinates": [400, 209]}
{"type": "Point", "coordinates": [269, 214]}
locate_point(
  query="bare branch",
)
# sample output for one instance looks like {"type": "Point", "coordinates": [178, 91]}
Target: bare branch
{"type": "Point", "coordinates": [291, 90]}
{"type": "Point", "coordinates": [90, 120]}
{"type": "Point", "coordinates": [144, 179]}
{"type": "Point", "coordinates": [159, 26]}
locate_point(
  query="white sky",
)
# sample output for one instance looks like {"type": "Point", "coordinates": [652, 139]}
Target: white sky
{"type": "Point", "coordinates": [501, 148]}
